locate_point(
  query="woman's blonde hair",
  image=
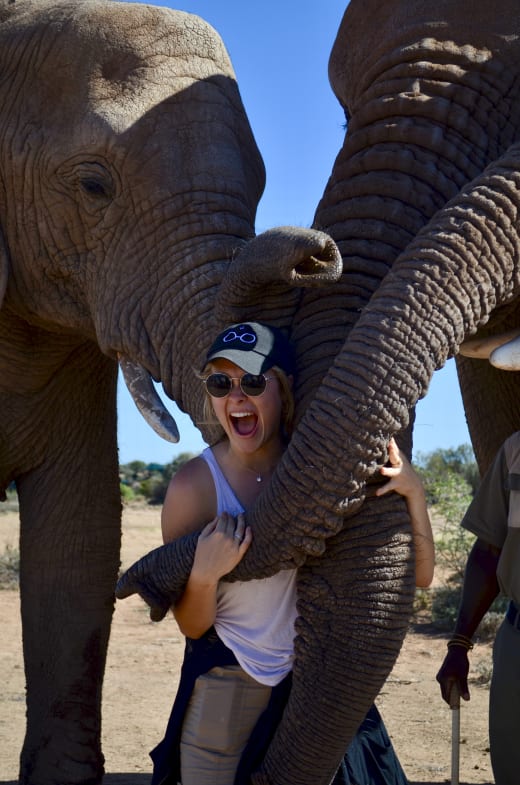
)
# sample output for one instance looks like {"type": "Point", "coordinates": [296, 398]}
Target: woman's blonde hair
{"type": "Point", "coordinates": [286, 394]}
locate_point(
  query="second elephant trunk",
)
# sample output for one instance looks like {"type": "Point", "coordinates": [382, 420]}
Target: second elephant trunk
{"type": "Point", "coordinates": [266, 276]}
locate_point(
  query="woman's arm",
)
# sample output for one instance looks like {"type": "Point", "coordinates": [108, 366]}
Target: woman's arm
{"type": "Point", "coordinates": [221, 545]}
{"type": "Point", "coordinates": [405, 481]}
{"type": "Point", "coordinates": [190, 502]}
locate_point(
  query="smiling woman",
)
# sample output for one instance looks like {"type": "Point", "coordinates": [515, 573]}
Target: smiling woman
{"type": "Point", "coordinates": [243, 421]}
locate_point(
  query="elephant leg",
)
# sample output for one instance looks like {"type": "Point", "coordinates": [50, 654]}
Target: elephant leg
{"type": "Point", "coordinates": [69, 555]}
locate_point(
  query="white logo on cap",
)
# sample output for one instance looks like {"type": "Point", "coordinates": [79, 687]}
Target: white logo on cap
{"type": "Point", "coordinates": [249, 338]}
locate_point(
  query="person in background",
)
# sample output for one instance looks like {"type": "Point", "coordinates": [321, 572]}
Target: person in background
{"type": "Point", "coordinates": [492, 568]}
{"type": "Point", "coordinates": [236, 674]}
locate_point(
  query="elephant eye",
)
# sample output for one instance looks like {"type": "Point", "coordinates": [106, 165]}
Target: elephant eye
{"type": "Point", "coordinates": [93, 187]}
{"type": "Point", "coordinates": [92, 181]}
{"type": "Point", "coordinates": [95, 182]}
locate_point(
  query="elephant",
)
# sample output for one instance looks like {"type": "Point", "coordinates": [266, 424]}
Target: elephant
{"type": "Point", "coordinates": [129, 185]}
{"type": "Point", "coordinates": [423, 204]}
{"type": "Point", "coordinates": [129, 178]}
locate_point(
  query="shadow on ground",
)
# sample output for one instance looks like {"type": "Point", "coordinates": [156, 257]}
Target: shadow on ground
{"type": "Point", "coordinates": [127, 779]}
{"type": "Point", "coordinates": [144, 779]}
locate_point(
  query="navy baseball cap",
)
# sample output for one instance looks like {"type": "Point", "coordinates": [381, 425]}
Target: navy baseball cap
{"type": "Point", "coordinates": [254, 347]}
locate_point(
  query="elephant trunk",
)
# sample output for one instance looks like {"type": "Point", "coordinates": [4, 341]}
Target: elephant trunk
{"type": "Point", "coordinates": [470, 253]}
{"type": "Point", "coordinates": [265, 276]}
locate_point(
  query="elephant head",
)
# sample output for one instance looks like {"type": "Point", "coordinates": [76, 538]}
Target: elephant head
{"type": "Point", "coordinates": [129, 178]}
{"type": "Point", "coordinates": [423, 204]}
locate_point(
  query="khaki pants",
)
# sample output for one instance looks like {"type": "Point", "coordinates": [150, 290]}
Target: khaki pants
{"type": "Point", "coordinates": [222, 712]}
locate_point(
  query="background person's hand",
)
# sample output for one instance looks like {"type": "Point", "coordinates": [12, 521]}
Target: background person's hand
{"type": "Point", "coordinates": [453, 674]}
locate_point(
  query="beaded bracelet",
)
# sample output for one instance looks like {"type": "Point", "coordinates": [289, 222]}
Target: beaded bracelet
{"type": "Point", "coordinates": [461, 640]}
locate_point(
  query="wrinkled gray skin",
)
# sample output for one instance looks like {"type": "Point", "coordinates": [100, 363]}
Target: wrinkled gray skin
{"type": "Point", "coordinates": [427, 185]}
{"type": "Point", "coordinates": [129, 178]}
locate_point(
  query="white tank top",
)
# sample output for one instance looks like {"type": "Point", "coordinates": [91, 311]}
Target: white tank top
{"type": "Point", "coordinates": [255, 619]}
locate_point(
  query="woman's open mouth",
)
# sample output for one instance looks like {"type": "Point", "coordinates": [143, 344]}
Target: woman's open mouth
{"type": "Point", "coordinates": [244, 423]}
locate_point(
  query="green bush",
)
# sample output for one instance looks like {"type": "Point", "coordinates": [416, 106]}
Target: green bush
{"type": "Point", "coordinates": [459, 461]}
{"type": "Point", "coordinates": [149, 481]}
{"type": "Point", "coordinates": [452, 495]}
{"type": "Point", "coordinates": [127, 493]}
{"type": "Point", "coordinates": [9, 568]}
{"type": "Point", "coordinates": [450, 481]}
{"type": "Point", "coordinates": [452, 542]}
{"type": "Point", "coordinates": [11, 502]}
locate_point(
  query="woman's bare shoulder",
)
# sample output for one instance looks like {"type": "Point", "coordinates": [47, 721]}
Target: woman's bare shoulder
{"type": "Point", "coordinates": [190, 501]}
{"type": "Point", "coordinates": [192, 474]}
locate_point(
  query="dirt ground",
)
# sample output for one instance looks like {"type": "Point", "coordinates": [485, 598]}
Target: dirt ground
{"type": "Point", "coordinates": [142, 671]}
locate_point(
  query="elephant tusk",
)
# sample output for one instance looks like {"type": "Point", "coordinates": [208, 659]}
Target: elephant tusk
{"type": "Point", "coordinates": [507, 356]}
{"type": "Point", "coordinates": [485, 348]}
{"type": "Point", "coordinates": [147, 400]}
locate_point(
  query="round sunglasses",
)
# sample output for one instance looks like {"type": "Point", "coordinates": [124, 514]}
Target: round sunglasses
{"type": "Point", "coordinates": [219, 385]}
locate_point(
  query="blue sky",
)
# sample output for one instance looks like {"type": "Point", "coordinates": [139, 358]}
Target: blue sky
{"type": "Point", "coordinates": [280, 60]}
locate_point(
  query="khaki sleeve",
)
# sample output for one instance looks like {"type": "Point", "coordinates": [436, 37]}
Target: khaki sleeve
{"type": "Point", "coordinates": [488, 512]}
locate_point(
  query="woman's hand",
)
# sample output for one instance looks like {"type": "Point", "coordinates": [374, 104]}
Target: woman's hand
{"type": "Point", "coordinates": [404, 480]}
{"type": "Point", "coordinates": [220, 547]}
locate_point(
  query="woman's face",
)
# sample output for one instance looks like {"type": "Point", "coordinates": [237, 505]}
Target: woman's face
{"type": "Point", "coordinates": [250, 422]}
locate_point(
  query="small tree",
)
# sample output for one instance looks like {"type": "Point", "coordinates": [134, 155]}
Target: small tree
{"type": "Point", "coordinates": [158, 484]}
{"type": "Point", "coordinates": [451, 479]}
{"type": "Point", "coordinates": [459, 460]}
{"type": "Point", "coordinates": [9, 568]}
{"type": "Point", "coordinates": [452, 494]}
